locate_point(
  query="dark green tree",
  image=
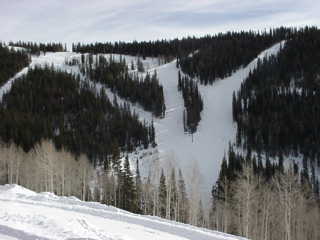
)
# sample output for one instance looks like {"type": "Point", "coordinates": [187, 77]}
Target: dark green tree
{"type": "Point", "coordinates": [162, 195]}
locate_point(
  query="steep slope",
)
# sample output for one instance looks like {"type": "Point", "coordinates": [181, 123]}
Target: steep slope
{"type": "Point", "coordinates": [200, 158]}
{"type": "Point", "coordinates": [28, 215]}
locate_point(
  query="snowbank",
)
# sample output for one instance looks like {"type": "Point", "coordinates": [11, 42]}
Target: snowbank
{"type": "Point", "coordinates": [28, 215]}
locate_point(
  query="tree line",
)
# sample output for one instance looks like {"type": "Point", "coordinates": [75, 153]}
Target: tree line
{"type": "Point", "coordinates": [11, 62]}
{"type": "Point", "coordinates": [260, 199]}
{"type": "Point", "coordinates": [208, 57]}
{"type": "Point", "coordinates": [162, 193]}
{"type": "Point", "coordinates": [277, 116]}
{"type": "Point", "coordinates": [276, 108]}
{"type": "Point", "coordinates": [165, 49]}
{"type": "Point", "coordinates": [145, 90]}
{"type": "Point", "coordinates": [37, 48]}
{"type": "Point", "coordinates": [250, 202]}
{"type": "Point", "coordinates": [226, 53]}
{"type": "Point", "coordinates": [50, 104]}
{"type": "Point", "coordinates": [192, 102]}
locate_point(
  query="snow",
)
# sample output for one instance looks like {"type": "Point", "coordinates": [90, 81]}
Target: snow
{"type": "Point", "coordinates": [199, 159]}
{"type": "Point", "coordinates": [57, 59]}
{"type": "Point", "coordinates": [202, 156]}
{"type": "Point", "coordinates": [14, 48]}
{"type": "Point", "coordinates": [7, 86]}
{"type": "Point", "coordinates": [28, 215]}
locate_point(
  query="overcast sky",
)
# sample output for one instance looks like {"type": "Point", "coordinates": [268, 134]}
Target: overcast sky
{"type": "Point", "coordinates": [127, 20]}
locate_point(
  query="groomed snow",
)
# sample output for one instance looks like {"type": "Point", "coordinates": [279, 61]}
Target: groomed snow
{"type": "Point", "coordinates": [200, 159]}
{"type": "Point", "coordinates": [28, 215]}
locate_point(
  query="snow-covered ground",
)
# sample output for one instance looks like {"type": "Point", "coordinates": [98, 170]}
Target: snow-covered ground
{"type": "Point", "coordinates": [27, 215]}
{"type": "Point", "coordinates": [58, 60]}
{"type": "Point", "coordinates": [199, 159]}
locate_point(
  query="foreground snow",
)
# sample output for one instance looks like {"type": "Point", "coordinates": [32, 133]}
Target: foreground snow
{"type": "Point", "coordinates": [28, 215]}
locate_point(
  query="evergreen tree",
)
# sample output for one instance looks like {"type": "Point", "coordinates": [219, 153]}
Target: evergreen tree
{"type": "Point", "coordinates": [276, 108]}
{"type": "Point", "coordinates": [162, 195]}
{"type": "Point", "coordinates": [36, 48]}
{"type": "Point", "coordinates": [140, 66]}
{"type": "Point", "coordinates": [140, 200]}
{"type": "Point", "coordinates": [128, 191]}
{"type": "Point", "coordinates": [146, 90]}
{"type": "Point", "coordinates": [173, 195]}
{"type": "Point", "coordinates": [179, 81]}
{"type": "Point", "coordinates": [50, 104]}
{"type": "Point", "coordinates": [11, 62]}
{"type": "Point", "coordinates": [193, 104]}
{"type": "Point", "coordinates": [183, 202]}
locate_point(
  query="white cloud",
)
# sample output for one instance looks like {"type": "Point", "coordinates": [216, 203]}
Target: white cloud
{"type": "Point", "coordinates": [106, 20]}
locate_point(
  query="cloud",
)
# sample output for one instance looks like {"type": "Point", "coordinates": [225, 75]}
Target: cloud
{"type": "Point", "coordinates": [106, 20]}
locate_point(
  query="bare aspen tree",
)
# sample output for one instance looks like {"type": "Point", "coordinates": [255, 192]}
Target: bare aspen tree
{"type": "Point", "coordinates": [3, 164]}
{"type": "Point", "coordinates": [245, 195]}
{"type": "Point", "coordinates": [11, 156]}
{"type": "Point", "coordinates": [266, 200]}
{"type": "Point", "coordinates": [194, 194]}
{"type": "Point", "coordinates": [85, 172]}
{"type": "Point", "coordinates": [155, 178]}
{"type": "Point", "coordinates": [287, 186]}
{"type": "Point", "coordinates": [48, 158]}
{"type": "Point", "coordinates": [64, 159]}
{"type": "Point", "coordinates": [168, 200]}
{"type": "Point", "coordinates": [148, 193]}
{"type": "Point", "coordinates": [20, 154]}
{"type": "Point", "coordinates": [226, 207]}
{"type": "Point", "coordinates": [200, 215]}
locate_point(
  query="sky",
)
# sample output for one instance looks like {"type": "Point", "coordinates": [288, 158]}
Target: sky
{"type": "Point", "coordinates": [127, 20]}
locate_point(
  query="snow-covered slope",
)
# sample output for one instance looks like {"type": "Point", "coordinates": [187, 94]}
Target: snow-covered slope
{"type": "Point", "coordinates": [199, 159]}
{"type": "Point", "coordinates": [28, 215]}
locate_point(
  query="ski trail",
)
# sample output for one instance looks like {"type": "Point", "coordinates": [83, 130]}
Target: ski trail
{"type": "Point", "coordinates": [200, 159]}
{"type": "Point", "coordinates": [199, 156]}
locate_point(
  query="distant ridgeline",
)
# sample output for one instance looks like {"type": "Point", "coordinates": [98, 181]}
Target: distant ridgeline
{"type": "Point", "coordinates": [146, 91]}
{"type": "Point", "coordinates": [50, 104]}
{"type": "Point", "coordinates": [161, 48]}
{"type": "Point", "coordinates": [36, 48]}
{"type": "Point", "coordinates": [277, 108]}
{"type": "Point", "coordinates": [11, 62]}
{"type": "Point", "coordinates": [208, 58]}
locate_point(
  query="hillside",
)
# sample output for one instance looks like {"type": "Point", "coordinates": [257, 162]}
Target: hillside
{"type": "Point", "coordinates": [204, 152]}
{"type": "Point", "coordinates": [163, 134]}
{"type": "Point", "coordinates": [200, 155]}
{"type": "Point", "coordinates": [27, 215]}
